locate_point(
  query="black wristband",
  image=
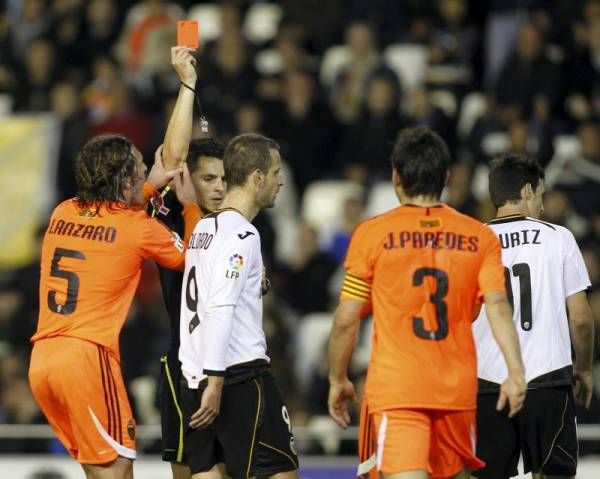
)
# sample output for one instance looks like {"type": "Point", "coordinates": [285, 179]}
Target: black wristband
{"type": "Point", "coordinates": [187, 86]}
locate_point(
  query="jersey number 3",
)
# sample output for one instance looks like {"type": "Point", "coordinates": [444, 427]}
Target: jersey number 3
{"type": "Point", "coordinates": [441, 309]}
{"type": "Point", "coordinates": [72, 282]}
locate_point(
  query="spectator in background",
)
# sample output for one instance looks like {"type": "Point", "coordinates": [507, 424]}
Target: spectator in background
{"type": "Point", "coordinates": [146, 21]}
{"type": "Point", "coordinates": [8, 79]}
{"type": "Point", "coordinates": [97, 93]}
{"type": "Point", "coordinates": [304, 128]}
{"type": "Point", "coordinates": [583, 100]}
{"type": "Point", "coordinates": [454, 41]}
{"type": "Point", "coordinates": [422, 112]}
{"type": "Point", "coordinates": [348, 93]}
{"type": "Point", "coordinates": [352, 214]}
{"type": "Point", "coordinates": [67, 34]}
{"type": "Point", "coordinates": [66, 104]}
{"type": "Point", "coordinates": [579, 176]}
{"type": "Point", "coordinates": [126, 118]}
{"type": "Point", "coordinates": [528, 72]}
{"type": "Point", "coordinates": [558, 210]}
{"type": "Point", "coordinates": [367, 143]}
{"type": "Point", "coordinates": [37, 79]}
{"type": "Point", "coordinates": [32, 23]}
{"type": "Point", "coordinates": [226, 78]}
{"type": "Point", "coordinates": [248, 118]}
{"type": "Point", "coordinates": [306, 276]}
{"type": "Point", "coordinates": [102, 27]}
{"type": "Point", "coordinates": [458, 193]}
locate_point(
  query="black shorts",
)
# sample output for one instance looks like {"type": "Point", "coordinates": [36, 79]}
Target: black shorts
{"type": "Point", "coordinates": [544, 431]}
{"type": "Point", "coordinates": [252, 434]}
{"type": "Point", "coordinates": [171, 416]}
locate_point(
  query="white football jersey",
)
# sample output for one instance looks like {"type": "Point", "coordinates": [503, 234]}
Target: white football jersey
{"type": "Point", "coordinates": [221, 299]}
{"type": "Point", "coordinates": [542, 266]}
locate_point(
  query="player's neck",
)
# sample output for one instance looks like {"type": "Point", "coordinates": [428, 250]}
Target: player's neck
{"type": "Point", "coordinates": [515, 209]}
{"type": "Point", "coordinates": [420, 200]}
{"type": "Point", "coordinates": [240, 200]}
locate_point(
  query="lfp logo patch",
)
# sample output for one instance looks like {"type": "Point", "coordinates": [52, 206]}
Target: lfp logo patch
{"type": "Point", "coordinates": [236, 262]}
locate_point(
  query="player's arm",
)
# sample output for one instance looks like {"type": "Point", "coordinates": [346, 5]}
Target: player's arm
{"type": "Point", "coordinates": [159, 243]}
{"type": "Point", "coordinates": [581, 323]}
{"type": "Point", "coordinates": [186, 195]}
{"type": "Point", "coordinates": [500, 316]}
{"type": "Point", "coordinates": [179, 129]}
{"type": "Point", "coordinates": [157, 179]}
{"type": "Point", "coordinates": [342, 340]}
{"type": "Point", "coordinates": [576, 281]}
{"type": "Point", "coordinates": [218, 315]}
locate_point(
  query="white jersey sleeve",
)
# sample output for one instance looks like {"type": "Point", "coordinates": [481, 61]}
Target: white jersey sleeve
{"type": "Point", "coordinates": [230, 273]}
{"type": "Point", "coordinates": [575, 275]}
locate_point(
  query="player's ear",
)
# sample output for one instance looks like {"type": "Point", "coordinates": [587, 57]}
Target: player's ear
{"type": "Point", "coordinates": [258, 177]}
{"type": "Point", "coordinates": [396, 178]}
{"type": "Point", "coordinates": [527, 192]}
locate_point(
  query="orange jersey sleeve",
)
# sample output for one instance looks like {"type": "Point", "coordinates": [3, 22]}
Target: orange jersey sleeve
{"type": "Point", "coordinates": [423, 269]}
{"type": "Point", "coordinates": [491, 273]}
{"type": "Point", "coordinates": [164, 246]}
{"type": "Point", "coordinates": [90, 268]}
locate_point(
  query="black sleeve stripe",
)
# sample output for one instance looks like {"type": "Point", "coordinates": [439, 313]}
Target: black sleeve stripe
{"type": "Point", "coordinates": [210, 372]}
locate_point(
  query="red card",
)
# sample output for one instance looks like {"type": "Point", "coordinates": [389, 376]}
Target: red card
{"type": "Point", "coordinates": [187, 33]}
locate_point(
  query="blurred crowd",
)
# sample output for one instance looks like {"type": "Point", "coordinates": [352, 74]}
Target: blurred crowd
{"type": "Point", "coordinates": [332, 81]}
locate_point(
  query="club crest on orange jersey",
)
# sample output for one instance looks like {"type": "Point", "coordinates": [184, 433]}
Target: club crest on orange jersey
{"type": "Point", "coordinates": [158, 203]}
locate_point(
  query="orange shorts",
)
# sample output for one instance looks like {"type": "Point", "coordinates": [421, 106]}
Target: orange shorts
{"type": "Point", "coordinates": [400, 440]}
{"type": "Point", "coordinates": [79, 388]}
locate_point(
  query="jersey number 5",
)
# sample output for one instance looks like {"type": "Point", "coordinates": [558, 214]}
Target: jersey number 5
{"type": "Point", "coordinates": [441, 309]}
{"type": "Point", "coordinates": [72, 282]}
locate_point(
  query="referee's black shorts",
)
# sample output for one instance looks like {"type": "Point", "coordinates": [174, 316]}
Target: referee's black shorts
{"type": "Point", "coordinates": [171, 416]}
{"type": "Point", "coordinates": [252, 434]}
{"type": "Point", "coordinates": [544, 431]}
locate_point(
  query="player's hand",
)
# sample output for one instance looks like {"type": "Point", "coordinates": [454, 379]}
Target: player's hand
{"type": "Point", "coordinates": [184, 64]}
{"type": "Point", "coordinates": [265, 283]}
{"type": "Point", "coordinates": [339, 395]}
{"type": "Point", "coordinates": [584, 387]}
{"type": "Point", "coordinates": [209, 406]}
{"type": "Point", "coordinates": [159, 177]}
{"type": "Point", "coordinates": [184, 187]}
{"type": "Point", "coordinates": [512, 390]}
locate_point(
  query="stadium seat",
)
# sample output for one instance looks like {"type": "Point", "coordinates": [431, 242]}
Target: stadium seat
{"type": "Point", "coordinates": [262, 22]}
{"type": "Point", "coordinates": [480, 183]}
{"type": "Point", "coordinates": [445, 100]}
{"type": "Point", "coordinates": [381, 198]}
{"type": "Point", "coordinates": [311, 342]}
{"type": "Point", "coordinates": [334, 60]}
{"type": "Point", "coordinates": [495, 143]}
{"type": "Point", "coordinates": [323, 202]}
{"type": "Point", "coordinates": [565, 147]}
{"type": "Point", "coordinates": [472, 107]}
{"type": "Point", "coordinates": [409, 62]}
{"type": "Point", "coordinates": [208, 16]}
{"type": "Point", "coordinates": [6, 102]}
{"type": "Point", "coordinates": [268, 62]}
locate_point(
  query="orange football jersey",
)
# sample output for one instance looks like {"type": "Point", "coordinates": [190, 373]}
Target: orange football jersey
{"type": "Point", "coordinates": [90, 268]}
{"type": "Point", "coordinates": [423, 269]}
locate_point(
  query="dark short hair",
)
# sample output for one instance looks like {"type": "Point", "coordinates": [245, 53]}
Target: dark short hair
{"type": "Point", "coordinates": [203, 148]}
{"type": "Point", "coordinates": [246, 153]}
{"type": "Point", "coordinates": [103, 165]}
{"type": "Point", "coordinates": [421, 159]}
{"type": "Point", "coordinates": [509, 174]}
